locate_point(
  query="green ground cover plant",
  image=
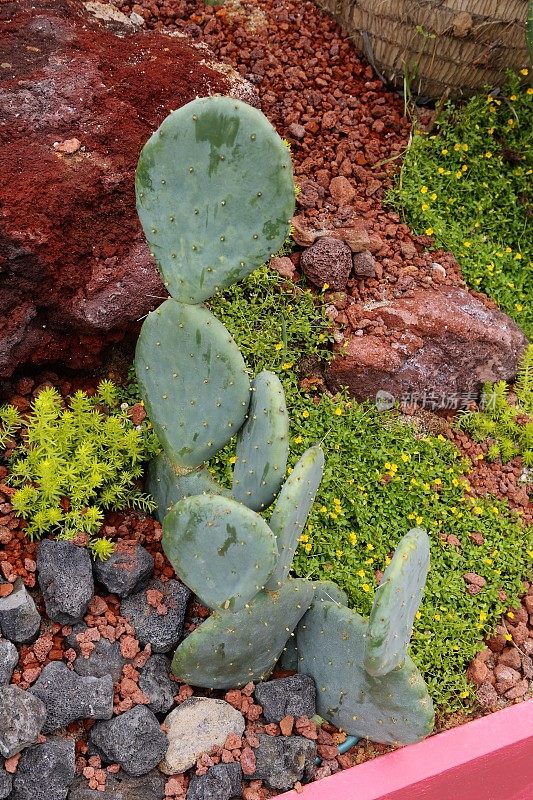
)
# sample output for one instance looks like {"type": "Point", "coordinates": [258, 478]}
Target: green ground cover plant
{"type": "Point", "coordinates": [469, 187]}
{"type": "Point", "coordinates": [76, 461]}
{"type": "Point", "coordinates": [381, 479]}
{"type": "Point", "coordinates": [506, 426]}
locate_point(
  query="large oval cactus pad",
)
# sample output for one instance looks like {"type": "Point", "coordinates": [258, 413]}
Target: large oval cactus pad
{"type": "Point", "coordinates": [193, 381]}
{"type": "Point", "coordinates": [229, 650]}
{"type": "Point", "coordinates": [220, 549]}
{"type": "Point", "coordinates": [292, 509]}
{"type": "Point", "coordinates": [262, 444]}
{"type": "Point", "coordinates": [396, 602]}
{"type": "Point", "coordinates": [215, 195]}
{"type": "Point", "coordinates": [167, 486]}
{"type": "Point", "coordinates": [395, 708]}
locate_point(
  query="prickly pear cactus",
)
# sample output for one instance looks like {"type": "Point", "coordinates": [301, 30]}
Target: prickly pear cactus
{"type": "Point", "coordinates": [231, 649]}
{"type": "Point", "coordinates": [215, 195]}
{"type": "Point", "coordinates": [262, 444]}
{"type": "Point", "coordinates": [167, 487]}
{"type": "Point", "coordinates": [193, 381]}
{"type": "Point", "coordinates": [394, 708]}
{"type": "Point", "coordinates": [292, 509]}
{"type": "Point", "coordinates": [220, 549]}
{"type": "Point", "coordinates": [395, 604]}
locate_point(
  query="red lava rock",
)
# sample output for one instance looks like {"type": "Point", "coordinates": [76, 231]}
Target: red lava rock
{"type": "Point", "coordinates": [518, 690]}
{"type": "Point", "coordinates": [283, 265]}
{"type": "Point", "coordinates": [341, 190]}
{"type": "Point", "coordinates": [234, 698]}
{"type": "Point", "coordinates": [272, 729]}
{"type": "Point", "coordinates": [11, 764]}
{"type": "Point", "coordinates": [474, 579]}
{"type": "Point", "coordinates": [81, 274]}
{"type": "Point", "coordinates": [233, 742]}
{"type": "Point", "coordinates": [6, 589]}
{"type": "Point", "coordinates": [129, 647]}
{"type": "Point", "coordinates": [476, 537]}
{"type": "Point", "coordinates": [137, 413]}
{"type": "Point", "coordinates": [487, 696]}
{"type": "Point", "coordinates": [477, 672]}
{"type": "Point", "coordinates": [296, 131]}
{"type": "Point", "coordinates": [286, 725]}
{"type": "Point", "coordinates": [305, 727]}
{"type": "Point", "coordinates": [327, 261]}
{"type": "Point", "coordinates": [247, 759]}
{"type": "Point", "coordinates": [483, 341]}
{"type": "Point", "coordinates": [302, 233]}
{"type": "Point", "coordinates": [364, 264]}
{"type": "Point", "coordinates": [506, 677]}
{"type": "Point", "coordinates": [520, 633]}
{"type": "Point", "coordinates": [510, 657]}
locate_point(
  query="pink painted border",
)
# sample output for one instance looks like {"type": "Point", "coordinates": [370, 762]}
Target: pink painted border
{"type": "Point", "coordinates": [490, 758]}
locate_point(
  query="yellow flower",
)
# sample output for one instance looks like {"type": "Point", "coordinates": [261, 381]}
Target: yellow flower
{"type": "Point", "coordinates": [477, 510]}
{"type": "Point", "coordinates": [338, 553]}
{"type": "Point", "coordinates": [482, 616]}
{"type": "Point", "coordinates": [508, 637]}
{"type": "Point", "coordinates": [305, 413]}
{"type": "Point", "coordinates": [418, 615]}
{"type": "Point", "coordinates": [419, 520]}
{"type": "Point", "coordinates": [297, 440]}
{"type": "Point", "coordinates": [513, 97]}
{"type": "Point", "coordinates": [304, 538]}
{"type": "Point", "coordinates": [519, 306]}
{"type": "Point", "coordinates": [437, 617]}
{"type": "Point", "coordinates": [444, 151]}
{"type": "Point", "coordinates": [441, 170]}
{"type": "Point", "coordinates": [361, 573]}
{"type": "Point", "coordinates": [278, 346]}
{"type": "Point", "coordinates": [428, 231]}
{"type": "Point", "coordinates": [338, 411]}
{"type": "Point", "coordinates": [433, 196]}
{"type": "Point", "coordinates": [286, 365]}
{"type": "Point", "coordinates": [464, 694]}
{"type": "Point", "coordinates": [353, 539]}
{"type": "Point", "coordinates": [518, 256]}
{"type": "Point", "coordinates": [308, 547]}
{"type": "Point", "coordinates": [524, 71]}
{"type": "Point", "coordinates": [423, 190]}
{"type": "Point", "coordinates": [495, 510]}
{"type": "Point", "coordinates": [480, 457]}
{"type": "Point", "coordinates": [490, 131]}
{"type": "Point", "coordinates": [369, 546]}
{"type": "Point", "coordinates": [437, 482]}
{"type": "Point", "coordinates": [325, 286]}
{"type": "Point", "coordinates": [457, 147]}
{"type": "Point", "coordinates": [233, 459]}
{"type": "Point", "coordinates": [529, 90]}
{"type": "Point", "coordinates": [458, 174]}
{"type": "Point", "coordinates": [511, 123]}
{"type": "Point", "coordinates": [405, 457]}
{"type": "Point", "coordinates": [323, 510]}
{"type": "Point", "coordinates": [464, 167]}
{"type": "Point", "coordinates": [424, 206]}
{"type": "Point", "coordinates": [510, 615]}
{"type": "Point", "coordinates": [387, 560]}
{"type": "Point", "coordinates": [365, 587]}
{"type": "Point", "coordinates": [465, 148]}
{"type": "Point", "coordinates": [488, 154]}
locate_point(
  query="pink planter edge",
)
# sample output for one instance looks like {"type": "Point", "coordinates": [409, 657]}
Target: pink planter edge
{"type": "Point", "coordinates": [490, 758]}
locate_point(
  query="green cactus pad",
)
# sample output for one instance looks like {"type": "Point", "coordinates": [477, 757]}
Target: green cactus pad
{"type": "Point", "coordinates": [220, 549]}
{"type": "Point", "coordinates": [325, 592]}
{"type": "Point", "coordinates": [394, 709]}
{"type": "Point", "coordinates": [232, 649]}
{"type": "Point", "coordinates": [262, 444]}
{"type": "Point", "coordinates": [395, 604]}
{"type": "Point", "coordinates": [215, 195]}
{"type": "Point", "coordinates": [292, 509]}
{"type": "Point", "coordinates": [167, 487]}
{"type": "Point", "coordinates": [193, 381]}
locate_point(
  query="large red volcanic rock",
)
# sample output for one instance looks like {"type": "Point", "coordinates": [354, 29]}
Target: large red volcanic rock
{"type": "Point", "coordinates": [75, 272]}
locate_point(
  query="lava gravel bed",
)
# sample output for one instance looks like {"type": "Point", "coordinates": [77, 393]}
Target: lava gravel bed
{"type": "Point", "coordinates": [106, 666]}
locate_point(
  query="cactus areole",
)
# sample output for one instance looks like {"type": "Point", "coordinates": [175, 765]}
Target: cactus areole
{"type": "Point", "coordinates": [215, 197]}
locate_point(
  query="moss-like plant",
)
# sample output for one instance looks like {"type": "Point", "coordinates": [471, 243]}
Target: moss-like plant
{"type": "Point", "coordinates": [77, 460]}
{"type": "Point", "coordinates": [508, 427]}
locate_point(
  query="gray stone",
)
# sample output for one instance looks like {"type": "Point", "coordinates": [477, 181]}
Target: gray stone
{"type": "Point", "coordinates": [161, 631]}
{"type": "Point", "coordinates": [6, 782]}
{"type": "Point", "coordinates": [295, 696]}
{"type": "Point", "coordinates": [19, 619]}
{"type": "Point", "coordinates": [45, 771]}
{"type": "Point", "coordinates": [126, 571]}
{"type": "Point", "coordinates": [194, 728]}
{"type": "Point", "coordinates": [68, 696]}
{"type": "Point", "coordinates": [222, 782]}
{"type": "Point", "coordinates": [8, 661]}
{"type": "Point", "coordinates": [65, 579]}
{"type": "Point", "coordinates": [123, 787]}
{"type": "Point", "coordinates": [283, 760]}
{"type": "Point", "coordinates": [22, 717]}
{"type": "Point", "coordinates": [155, 682]}
{"type": "Point", "coordinates": [364, 265]}
{"type": "Point", "coordinates": [105, 659]}
{"type": "Point", "coordinates": [134, 740]}
{"type": "Point", "coordinates": [329, 261]}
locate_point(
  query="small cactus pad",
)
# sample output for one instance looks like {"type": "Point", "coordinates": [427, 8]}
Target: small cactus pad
{"type": "Point", "coordinates": [167, 487]}
{"type": "Point", "coordinates": [215, 195]}
{"type": "Point", "coordinates": [231, 649]}
{"type": "Point", "coordinates": [325, 592]}
{"type": "Point", "coordinates": [193, 381]}
{"type": "Point", "coordinates": [292, 509]}
{"type": "Point", "coordinates": [395, 604]}
{"type": "Point", "coordinates": [393, 709]}
{"type": "Point", "coordinates": [220, 549]}
{"type": "Point", "coordinates": [262, 444]}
